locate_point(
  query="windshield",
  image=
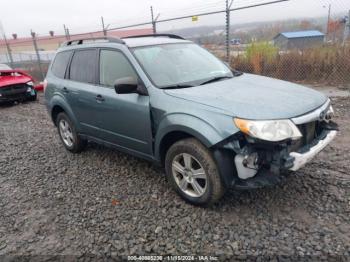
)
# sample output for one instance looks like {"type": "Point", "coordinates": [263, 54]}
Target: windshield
{"type": "Point", "coordinates": [172, 65]}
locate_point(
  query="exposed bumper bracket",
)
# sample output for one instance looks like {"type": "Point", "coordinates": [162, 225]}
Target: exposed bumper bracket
{"type": "Point", "coordinates": [300, 159]}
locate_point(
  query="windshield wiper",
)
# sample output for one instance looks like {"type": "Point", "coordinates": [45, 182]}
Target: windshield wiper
{"type": "Point", "coordinates": [215, 79]}
{"type": "Point", "coordinates": [177, 86]}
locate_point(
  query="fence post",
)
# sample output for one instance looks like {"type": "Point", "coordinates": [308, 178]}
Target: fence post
{"type": "Point", "coordinates": [347, 29]}
{"type": "Point", "coordinates": [9, 51]}
{"type": "Point", "coordinates": [103, 27]}
{"type": "Point", "coordinates": [328, 19]}
{"type": "Point", "coordinates": [37, 53]}
{"type": "Point", "coordinates": [154, 21]}
{"type": "Point", "coordinates": [228, 12]}
{"type": "Point", "coordinates": [66, 32]}
{"type": "Point", "coordinates": [154, 26]}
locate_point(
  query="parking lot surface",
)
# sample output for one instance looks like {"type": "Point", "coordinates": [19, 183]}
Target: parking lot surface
{"type": "Point", "coordinates": [105, 203]}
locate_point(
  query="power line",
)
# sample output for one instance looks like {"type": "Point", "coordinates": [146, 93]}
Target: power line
{"type": "Point", "coordinates": [167, 19]}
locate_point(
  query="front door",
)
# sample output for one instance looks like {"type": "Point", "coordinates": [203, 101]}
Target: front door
{"type": "Point", "coordinates": [123, 119]}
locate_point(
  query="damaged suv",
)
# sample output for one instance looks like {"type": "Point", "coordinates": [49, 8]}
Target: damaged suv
{"type": "Point", "coordinates": [167, 100]}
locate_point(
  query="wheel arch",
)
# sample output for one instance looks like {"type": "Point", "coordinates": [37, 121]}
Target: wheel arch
{"type": "Point", "coordinates": [54, 113]}
{"type": "Point", "coordinates": [58, 105]}
{"type": "Point", "coordinates": [177, 127]}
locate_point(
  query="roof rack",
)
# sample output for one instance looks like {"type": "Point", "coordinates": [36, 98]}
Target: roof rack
{"type": "Point", "coordinates": [93, 39]}
{"type": "Point", "coordinates": [156, 35]}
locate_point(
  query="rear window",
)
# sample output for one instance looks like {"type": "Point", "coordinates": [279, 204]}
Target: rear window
{"type": "Point", "coordinates": [83, 66]}
{"type": "Point", "coordinates": [59, 66]}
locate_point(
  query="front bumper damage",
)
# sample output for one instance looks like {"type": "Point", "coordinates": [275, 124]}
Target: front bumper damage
{"type": "Point", "coordinates": [276, 165]}
{"type": "Point", "coordinates": [17, 92]}
{"type": "Point", "coordinates": [301, 158]}
{"type": "Point", "coordinates": [260, 164]}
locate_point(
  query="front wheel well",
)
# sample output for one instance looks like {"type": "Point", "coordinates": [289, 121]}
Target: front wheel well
{"type": "Point", "coordinates": [54, 113]}
{"type": "Point", "coordinates": [170, 139]}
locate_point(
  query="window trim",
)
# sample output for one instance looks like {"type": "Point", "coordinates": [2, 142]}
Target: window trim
{"type": "Point", "coordinates": [70, 64]}
{"type": "Point", "coordinates": [139, 79]}
{"type": "Point", "coordinates": [67, 65]}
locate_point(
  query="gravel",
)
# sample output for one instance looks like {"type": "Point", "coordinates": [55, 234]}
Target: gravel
{"type": "Point", "coordinates": [104, 203]}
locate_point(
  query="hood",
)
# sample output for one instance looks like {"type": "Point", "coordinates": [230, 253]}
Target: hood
{"type": "Point", "coordinates": [18, 78]}
{"type": "Point", "coordinates": [254, 97]}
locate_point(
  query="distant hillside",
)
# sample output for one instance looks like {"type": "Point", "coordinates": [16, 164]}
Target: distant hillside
{"type": "Point", "coordinates": [256, 31]}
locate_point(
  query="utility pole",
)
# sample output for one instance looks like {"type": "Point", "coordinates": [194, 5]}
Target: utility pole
{"type": "Point", "coordinates": [104, 29]}
{"type": "Point", "coordinates": [37, 53]}
{"type": "Point", "coordinates": [228, 12]}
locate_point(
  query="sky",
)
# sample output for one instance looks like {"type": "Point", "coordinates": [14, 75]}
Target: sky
{"type": "Point", "coordinates": [20, 16]}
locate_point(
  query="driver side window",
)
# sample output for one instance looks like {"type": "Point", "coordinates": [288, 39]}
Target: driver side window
{"type": "Point", "coordinates": [114, 65]}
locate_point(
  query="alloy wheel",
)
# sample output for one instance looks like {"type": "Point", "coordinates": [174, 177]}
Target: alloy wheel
{"type": "Point", "coordinates": [189, 175]}
{"type": "Point", "coordinates": [66, 133]}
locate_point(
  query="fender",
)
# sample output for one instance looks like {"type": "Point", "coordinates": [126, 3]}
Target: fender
{"type": "Point", "coordinates": [59, 100]}
{"type": "Point", "coordinates": [199, 128]}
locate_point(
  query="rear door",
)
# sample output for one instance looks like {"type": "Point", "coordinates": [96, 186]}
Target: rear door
{"type": "Point", "coordinates": [124, 119]}
{"type": "Point", "coordinates": [81, 88]}
{"type": "Point", "coordinates": [57, 78]}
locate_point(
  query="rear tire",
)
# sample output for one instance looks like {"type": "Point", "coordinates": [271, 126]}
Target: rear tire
{"type": "Point", "coordinates": [193, 173]}
{"type": "Point", "coordinates": [68, 134]}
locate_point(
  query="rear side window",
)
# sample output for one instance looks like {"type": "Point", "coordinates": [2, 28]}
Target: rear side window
{"type": "Point", "coordinates": [114, 65]}
{"type": "Point", "coordinates": [83, 66]}
{"type": "Point", "coordinates": [60, 63]}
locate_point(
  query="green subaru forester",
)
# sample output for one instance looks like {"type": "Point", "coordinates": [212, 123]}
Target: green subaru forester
{"type": "Point", "coordinates": [167, 100]}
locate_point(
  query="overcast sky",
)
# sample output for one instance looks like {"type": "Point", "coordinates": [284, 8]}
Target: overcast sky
{"type": "Point", "coordinates": [19, 16]}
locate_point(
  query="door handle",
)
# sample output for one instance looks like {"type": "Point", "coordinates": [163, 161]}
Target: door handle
{"type": "Point", "coordinates": [65, 90]}
{"type": "Point", "coordinates": [99, 98]}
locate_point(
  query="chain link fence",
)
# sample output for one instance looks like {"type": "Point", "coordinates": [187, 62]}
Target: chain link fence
{"type": "Point", "coordinates": [328, 64]}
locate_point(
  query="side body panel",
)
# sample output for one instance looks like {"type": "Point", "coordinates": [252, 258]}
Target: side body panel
{"type": "Point", "coordinates": [209, 125]}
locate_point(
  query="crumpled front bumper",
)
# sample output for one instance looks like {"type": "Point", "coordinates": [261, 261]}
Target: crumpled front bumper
{"type": "Point", "coordinates": [16, 93]}
{"type": "Point", "coordinates": [289, 161]}
{"type": "Point", "coordinates": [301, 158]}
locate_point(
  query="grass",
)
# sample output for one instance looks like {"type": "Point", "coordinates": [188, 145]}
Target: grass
{"type": "Point", "coordinates": [322, 65]}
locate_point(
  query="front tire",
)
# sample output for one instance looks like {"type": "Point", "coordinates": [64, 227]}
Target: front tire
{"type": "Point", "coordinates": [68, 134]}
{"type": "Point", "coordinates": [193, 173]}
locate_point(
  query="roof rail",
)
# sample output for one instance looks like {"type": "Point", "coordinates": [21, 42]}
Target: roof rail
{"type": "Point", "coordinates": [155, 35]}
{"type": "Point", "coordinates": [93, 39]}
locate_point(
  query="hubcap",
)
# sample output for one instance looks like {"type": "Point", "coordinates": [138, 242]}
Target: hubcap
{"type": "Point", "coordinates": [66, 133]}
{"type": "Point", "coordinates": [189, 175]}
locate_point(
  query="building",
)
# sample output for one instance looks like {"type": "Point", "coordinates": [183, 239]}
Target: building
{"type": "Point", "coordinates": [299, 40]}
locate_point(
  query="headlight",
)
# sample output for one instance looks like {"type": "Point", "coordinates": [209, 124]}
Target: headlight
{"type": "Point", "coordinates": [30, 83]}
{"type": "Point", "coordinates": [271, 130]}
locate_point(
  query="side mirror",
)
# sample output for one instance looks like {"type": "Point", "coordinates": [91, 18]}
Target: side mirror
{"type": "Point", "coordinates": [126, 85]}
